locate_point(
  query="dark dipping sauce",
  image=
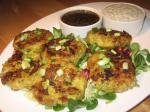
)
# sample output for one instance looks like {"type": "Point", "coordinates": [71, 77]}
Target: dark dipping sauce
{"type": "Point", "coordinates": [80, 18]}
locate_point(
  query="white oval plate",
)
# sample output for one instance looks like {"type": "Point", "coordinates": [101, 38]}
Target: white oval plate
{"type": "Point", "coordinates": [12, 101]}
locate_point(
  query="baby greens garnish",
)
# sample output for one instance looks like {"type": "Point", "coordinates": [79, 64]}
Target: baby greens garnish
{"type": "Point", "coordinates": [24, 36]}
{"type": "Point", "coordinates": [58, 107]}
{"type": "Point", "coordinates": [91, 104]}
{"type": "Point", "coordinates": [57, 33]}
{"type": "Point", "coordinates": [148, 57]}
{"type": "Point", "coordinates": [70, 36]}
{"type": "Point", "coordinates": [95, 30]}
{"type": "Point", "coordinates": [140, 58]}
{"type": "Point", "coordinates": [38, 31]}
{"type": "Point", "coordinates": [107, 96]}
{"type": "Point", "coordinates": [75, 104]}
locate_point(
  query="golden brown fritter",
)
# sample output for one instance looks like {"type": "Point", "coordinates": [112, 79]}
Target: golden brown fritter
{"type": "Point", "coordinates": [31, 43]}
{"type": "Point", "coordinates": [15, 76]}
{"type": "Point", "coordinates": [66, 49]}
{"type": "Point", "coordinates": [112, 72]}
{"type": "Point", "coordinates": [62, 81]}
{"type": "Point", "coordinates": [107, 38]}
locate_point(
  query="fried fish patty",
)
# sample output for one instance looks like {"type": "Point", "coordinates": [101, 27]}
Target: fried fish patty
{"type": "Point", "coordinates": [108, 39]}
{"type": "Point", "coordinates": [62, 81]}
{"type": "Point", "coordinates": [112, 73]}
{"type": "Point", "coordinates": [67, 49]}
{"type": "Point", "coordinates": [32, 43]}
{"type": "Point", "coordinates": [15, 76]}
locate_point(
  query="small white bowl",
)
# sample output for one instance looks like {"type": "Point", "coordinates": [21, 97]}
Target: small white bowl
{"type": "Point", "coordinates": [133, 27]}
{"type": "Point", "coordinates": [79, 30]}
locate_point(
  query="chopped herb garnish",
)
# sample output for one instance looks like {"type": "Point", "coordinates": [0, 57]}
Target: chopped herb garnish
{"type": "Point", "coordinates": [24, 37]}
{"type": "Point", "coordinates": [82, 60]}
{"type": "Point", "coordinates": [57, 48]}
{"type": "Point", "coordinates": [125, 66]}
{"type": "Point", "coordinates": [50, 38]}
{"type": "Point", "coordinates": [108, 30]}
{"type": "Point", "coordinates": [27, 59]}
{"type": "Point", "coordinates": [94, 47]}
{"type": "Point", "coordinates": [70, 36]}
{"type": "Point", "coordinates": [113, 51]}
{"type": "Point", "coordinates": [61, 42]}
{"type": "Point", "coordinates": [42, 72]}
{"type": "Point", "coordinates": [25, 64]}
{"type": "Point", "coordinates": [51, 47]}
{"type": "Point", "coordinates": [38, 31]}
{"type": "Point", "coordinates": [117, 34]}
{"type": "Point", "coordinates": [59, 72]}
{"type": "Point", "coordinates": [45, 84]}
{"type": "Point", "coordinates": [44, 61]}
{"type": "Point", "coordinates": [104, 61]}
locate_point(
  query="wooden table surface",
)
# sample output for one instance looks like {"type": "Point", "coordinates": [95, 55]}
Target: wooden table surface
{"type": "Point", "coordinates": [16, 15]}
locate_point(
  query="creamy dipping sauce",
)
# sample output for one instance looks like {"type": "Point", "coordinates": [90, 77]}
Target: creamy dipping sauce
{"type": "Point", "coordinates": [123, 12]}
{"type": "Point", "coordinates": [80, 18]}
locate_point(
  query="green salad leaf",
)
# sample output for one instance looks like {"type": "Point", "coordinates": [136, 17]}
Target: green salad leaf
{"type": "Point", "coordinates": [58, 107]}
{"type": "Point", "coordinates": [108, 96]}
{"type": "Point", "coordinates": [75, 104]}
{"type": "Point", "coordinates": [148, 57]}
{"type": "Point", "coordinates": [91, 104]}
{"type": "Point", "coordinates": [140, 58]}
{"type": "Point", "coordinates": [57, 33]}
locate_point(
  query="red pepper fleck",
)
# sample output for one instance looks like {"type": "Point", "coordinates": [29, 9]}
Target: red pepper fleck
{"type": "Point", "coordinates": [86, 73]}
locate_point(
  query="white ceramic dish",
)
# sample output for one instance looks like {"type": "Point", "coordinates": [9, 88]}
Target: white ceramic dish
{"type": "Point", "coordinates": [79, 30]}
{"type": "Point", "coordinates": [133, 27]}
{"type": "Point", "coordinates": [11, 101]}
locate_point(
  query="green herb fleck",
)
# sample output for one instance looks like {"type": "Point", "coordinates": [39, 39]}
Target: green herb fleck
{"type": "Point", "coordinates": [24, 37]}
{"type": "Point", "coordinates": [38, 31]}
{"type": "Point", "coordinates": [50, 38]}
{"type": "Point", "coordinates": [117, 34]}
{"type": "Point", "coordinates": [82, 60]}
